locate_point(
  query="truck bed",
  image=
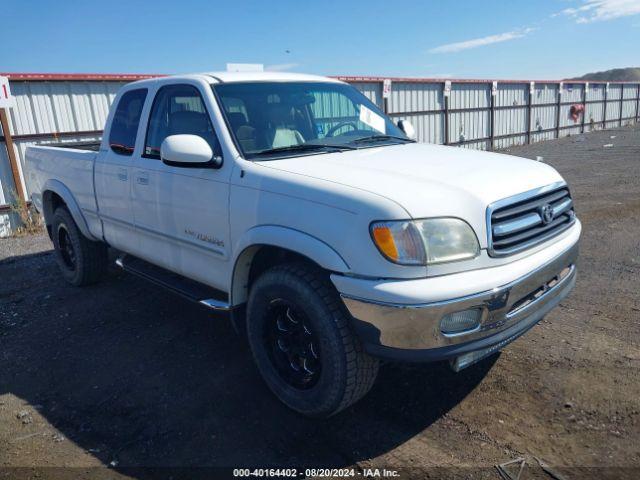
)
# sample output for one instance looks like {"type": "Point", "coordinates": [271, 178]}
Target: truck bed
{"type": "Point", "coordinates": [71, 165]}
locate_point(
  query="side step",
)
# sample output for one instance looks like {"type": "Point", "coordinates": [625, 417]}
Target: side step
{"type": "Point", "coordinates": [183, 286]}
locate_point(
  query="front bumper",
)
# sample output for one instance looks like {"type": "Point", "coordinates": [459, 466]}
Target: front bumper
{"type": "Point", "coordinates": [412, 332]}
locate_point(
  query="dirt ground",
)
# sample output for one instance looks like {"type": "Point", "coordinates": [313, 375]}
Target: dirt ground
{"type": "Point", "coordinates": [122, 375]}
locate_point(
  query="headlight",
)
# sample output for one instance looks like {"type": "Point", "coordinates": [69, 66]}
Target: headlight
{"type": "Point", "coordinates": [422, 242]}
{"type": "Point", "coordinates": [448, 239]}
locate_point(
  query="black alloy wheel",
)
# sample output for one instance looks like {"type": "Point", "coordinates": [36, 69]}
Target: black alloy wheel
{"type": "Point", "coordinates": [67, 252]}
{"type": "Point", "coordinates": [293, 348]}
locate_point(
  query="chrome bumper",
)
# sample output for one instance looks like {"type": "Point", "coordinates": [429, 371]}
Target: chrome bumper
{"type": "Point", "coordinates": [395, 331]}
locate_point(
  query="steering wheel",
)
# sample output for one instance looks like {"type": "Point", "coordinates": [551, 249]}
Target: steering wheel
{"type": "Point", "coordinates": [335, 128]}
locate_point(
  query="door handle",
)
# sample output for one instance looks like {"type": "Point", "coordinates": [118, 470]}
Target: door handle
{"type": "Point", "coordinates": [142, 178]}
{"type": "Point", "coordinates": [123, 175]}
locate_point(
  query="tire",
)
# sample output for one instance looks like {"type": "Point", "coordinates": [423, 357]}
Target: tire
{"type": "Point", "coordinates": [296, 319]}
{"type": "Point", "coordinates": [81, 261]}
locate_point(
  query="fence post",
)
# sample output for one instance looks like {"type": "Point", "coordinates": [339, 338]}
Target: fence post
{"type": "Point", "coordinates": [604, 114]}
{"type": "Point", "coordinates": [532, 89]}
{"type": "Point", "coordinates": [621, 103]}
{"type": "Point", "coordinates": [637, 100]}
{"type": "Point", "coordinates": [559, 106]}
{"type": "Point", "coordinates": [11, 153]}
{"type": "Point", "coordinates": [446, 91]}
{"type": "Point", "coordinates": [492, 119]}
{"type": "Point", "coordinates": [585, 90]}
{"type": "Point", "coordinates": [385, 100]}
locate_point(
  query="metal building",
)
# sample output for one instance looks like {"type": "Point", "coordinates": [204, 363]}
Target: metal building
{"type": "Point", "coordinates": [50, 109]}
{"type": "Point", "coordinates": [483, 114]}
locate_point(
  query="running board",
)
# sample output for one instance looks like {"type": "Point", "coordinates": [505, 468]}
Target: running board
{"type": "Point", "coordinates": [185, 287]}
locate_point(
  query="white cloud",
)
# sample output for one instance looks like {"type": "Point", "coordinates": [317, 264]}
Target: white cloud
{"type": "Point", "coordinates": [481, 42]}
{"type": "Point", "coordinates": [601, 10]}
{"type": "Point", "coordinates": [281, 67]}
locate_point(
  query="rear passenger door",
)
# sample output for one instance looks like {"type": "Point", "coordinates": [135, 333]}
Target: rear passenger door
{"type": "Point", "coordinates": [181, 213]}
{"type": "Point", "coordinates": [113, 171]}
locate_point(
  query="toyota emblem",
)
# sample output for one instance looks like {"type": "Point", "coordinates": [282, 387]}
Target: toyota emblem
{"type": "Point", "coordinates": [546, 213]}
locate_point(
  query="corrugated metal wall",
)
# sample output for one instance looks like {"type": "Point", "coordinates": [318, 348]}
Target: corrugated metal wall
{"type": "Point", "coordinates": [421, 104]}
{"type": "Point", "coordinates": [43, 108]}
{"type": "Point", "coordinates": [497, 115]}
{"type": "Point", "coordinates": [471, 114]}
{"type": "Point", "coordinates": [76, 109]}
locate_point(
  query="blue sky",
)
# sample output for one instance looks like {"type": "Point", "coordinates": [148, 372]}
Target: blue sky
{"type": "Point", "coordinates": [541, 39]}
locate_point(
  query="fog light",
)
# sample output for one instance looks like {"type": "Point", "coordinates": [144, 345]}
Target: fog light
{"type": "Point", "coordinates": [459, 322]}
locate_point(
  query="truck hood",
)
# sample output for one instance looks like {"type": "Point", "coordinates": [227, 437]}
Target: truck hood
{"type": "Point", "coordinates": [428, 180]}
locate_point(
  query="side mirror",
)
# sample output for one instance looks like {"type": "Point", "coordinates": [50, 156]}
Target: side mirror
{"type": "Point", "coordinates": [190, 151]}
{"type": "Point", "coordinates": [407, 128]}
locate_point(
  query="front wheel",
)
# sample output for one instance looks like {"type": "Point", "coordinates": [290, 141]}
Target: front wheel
{"type": "Point", "coordinates": [299, 334]}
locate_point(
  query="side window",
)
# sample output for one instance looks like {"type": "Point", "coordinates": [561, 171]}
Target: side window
{"type": "Point", "coordinates": [178, 109]}
{"type": "Point", "coordinates": [124, 126]}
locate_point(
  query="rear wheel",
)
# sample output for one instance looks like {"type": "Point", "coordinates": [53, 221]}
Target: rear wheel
{"type": "Point", "coordinates": [299, 334]}
{"type": "Point", "coordinates": [81, 260]}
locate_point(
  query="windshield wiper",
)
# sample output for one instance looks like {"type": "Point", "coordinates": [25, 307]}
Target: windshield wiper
{"type": "Point", "coordinates": [379, 138]}
{"type": "Point", "coordinates": [303, 147]}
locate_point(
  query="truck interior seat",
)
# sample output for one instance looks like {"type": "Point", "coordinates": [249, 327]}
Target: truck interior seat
{"type": "Point", "coordinates": [282, 131]}
{"type": "Point", "coordinates": [237, 120]}
{"type": "Point", "coordinates": [245, 133]}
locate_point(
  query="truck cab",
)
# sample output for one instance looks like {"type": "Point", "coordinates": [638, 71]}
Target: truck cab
{"type": "Point", "coordinates": [331, 236]}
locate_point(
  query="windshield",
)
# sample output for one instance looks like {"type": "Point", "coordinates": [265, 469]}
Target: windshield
{"type": "Point", "coordinates": [274, 119]}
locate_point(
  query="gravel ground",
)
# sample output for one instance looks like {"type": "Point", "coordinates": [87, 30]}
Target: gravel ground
{"type": "Point", "coordinates": [122, 375]}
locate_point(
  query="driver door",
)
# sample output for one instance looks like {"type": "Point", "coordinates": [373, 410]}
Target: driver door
{"type": "Point", "coordinates": [181, 213]}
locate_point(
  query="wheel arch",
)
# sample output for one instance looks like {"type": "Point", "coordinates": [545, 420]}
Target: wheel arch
{"type": "Point", "coordinates": [265, 246]}
{"type": "Point", "coordinates": [55, 194]}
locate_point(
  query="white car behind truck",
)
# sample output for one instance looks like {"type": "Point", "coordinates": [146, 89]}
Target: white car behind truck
{"type": "Point", "coordinates": [332, 238]}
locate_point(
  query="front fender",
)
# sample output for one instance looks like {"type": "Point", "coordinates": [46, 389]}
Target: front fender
{"type": "Point", "coordinates": [60, 189]}
{"type": "Point", "coordinates": [283, 237]}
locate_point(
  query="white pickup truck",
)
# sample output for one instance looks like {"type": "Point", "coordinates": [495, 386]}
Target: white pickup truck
{"type": "Point", "coordinates": [332, 238]}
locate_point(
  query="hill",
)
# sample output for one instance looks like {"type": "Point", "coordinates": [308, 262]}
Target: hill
{"type": "Point", "coordinates": [631, 74]}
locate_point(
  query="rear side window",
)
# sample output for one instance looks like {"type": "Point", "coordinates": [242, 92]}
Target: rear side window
{"type": "Point", "coordinates": [178, 109]}
{"type": "Point", "coordinates": [124, 127]}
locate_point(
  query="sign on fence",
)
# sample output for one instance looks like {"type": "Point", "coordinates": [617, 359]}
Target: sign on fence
{"type": "Point", "coordinates": [6, 100]}
{"type": "Point", "coordinates": [386, 88]}
{"type": "Point", "coordinates": [447, 88]}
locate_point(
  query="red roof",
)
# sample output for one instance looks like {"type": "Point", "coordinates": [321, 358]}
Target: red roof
{"type": "Point", "coordinates": [104, 77]}
{"type": "Point", "coordinates": [130, 77]}
{"type": "Point", "coordinates": [463, 80]}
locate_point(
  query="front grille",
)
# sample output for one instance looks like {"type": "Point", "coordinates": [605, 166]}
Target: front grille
{"type": "Point", "coordinates": [520, 222]}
